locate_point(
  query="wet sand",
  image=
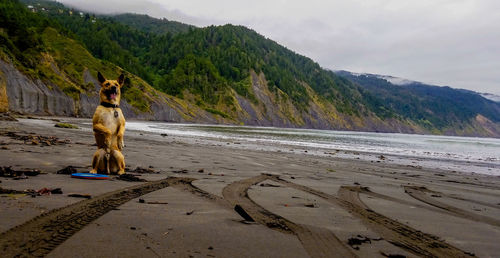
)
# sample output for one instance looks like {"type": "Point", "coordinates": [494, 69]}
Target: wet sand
{"type": "Point", "coordinates": [289, 204]}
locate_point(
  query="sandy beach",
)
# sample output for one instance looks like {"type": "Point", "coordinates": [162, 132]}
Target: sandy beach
{"type": "Point", "coordinates": [199, 199]}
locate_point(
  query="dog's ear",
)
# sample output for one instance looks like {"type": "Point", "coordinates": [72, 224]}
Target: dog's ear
{"type": "Point", "coordinates": [100, 78]}
{"type": "Point", "coordinates": [121, 79]}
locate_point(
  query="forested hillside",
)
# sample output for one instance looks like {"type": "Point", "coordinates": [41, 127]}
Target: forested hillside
{"type": "Point", "coordinates": [431, 105]}
{"type": "Point", "coordinates": [44, 69]}
{"type": "Point", "coordinates": [148, 24]}
{"type": "Point", "coordinates": [225, 54]}
{"type": "Point", "coordinates": [227, 74]}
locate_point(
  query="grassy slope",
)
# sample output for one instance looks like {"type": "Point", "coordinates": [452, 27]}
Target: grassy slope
{"type": "Point", "coordinates": [67, 60]}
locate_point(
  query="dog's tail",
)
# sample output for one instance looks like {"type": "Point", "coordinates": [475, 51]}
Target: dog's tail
{"type": "Point", "coordinates": [107, 156]}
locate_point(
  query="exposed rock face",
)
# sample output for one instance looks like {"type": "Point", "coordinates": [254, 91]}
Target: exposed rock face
{"type": "Point", "coordinates": [34, 97]}
{"type": "Point", "coordinates": [272, 109]}
{"type": "Point", "coordinates": [87, 105]}
{"type": "Point", "coordinates": [276, 109]}
{"type": "Point", "coordinates": [27, 96]}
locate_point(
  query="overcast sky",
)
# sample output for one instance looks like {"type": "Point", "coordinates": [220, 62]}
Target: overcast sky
{"type": "Point", "coordinates": [442, 42]}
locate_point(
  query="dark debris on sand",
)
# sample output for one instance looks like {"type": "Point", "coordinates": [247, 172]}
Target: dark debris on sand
{"type": "Point", "coordinates": [141, 170]}
{"type": "Point", "coordinates": [392, 255]}
{"type": "Point", "coordinates": [31, 192]}
{"type": "Point", "coordinates": [48, 191]}
{"type": "Point", "coordinates": [355, 242]}
{"type": "Point", "coordinates": [182, 171]}
{"type": "Point", "coordinates": [18, 174]}
{"type": "Point", "coordinates": [7, 117]}
{"type": "Point", "coordinates": [130, 178]}
{"type": "Point", "coordinates": [268, 185]}
{"type": "Point", "coordinates": [77, 195]}
{"type": "Point", "coordinates": [151, 202]}
{"type": "Point", "coordinates": [243, 213]}
{"type": "Point", "coordinates": [67, 170]}
{"type": "Point", "coordinates": [10, 191]}
{"type": "Point", "coordinates": [34, 139]}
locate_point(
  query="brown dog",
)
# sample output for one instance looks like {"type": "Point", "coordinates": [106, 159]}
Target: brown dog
{"type": "Point", "coordinates": [109, 127]}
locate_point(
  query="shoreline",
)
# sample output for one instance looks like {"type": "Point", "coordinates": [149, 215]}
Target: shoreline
{"type": "Point", "coordinates": [188, 217]}
{"type": "Point", "coordinates": [452, 164]}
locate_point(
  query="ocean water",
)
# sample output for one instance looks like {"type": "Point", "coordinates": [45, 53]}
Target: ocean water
{"type": "Point", "coordinates": [463, 154]}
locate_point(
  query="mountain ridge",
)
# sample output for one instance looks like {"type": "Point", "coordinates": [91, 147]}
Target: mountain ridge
{"type": "Point", "coordinates": [441, 105]}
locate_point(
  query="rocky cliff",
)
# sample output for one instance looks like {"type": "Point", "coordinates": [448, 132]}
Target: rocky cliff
{"type": "Point", "coordinates": [32, 96]}
{"type": "Point", "coordinates": [23, 95]}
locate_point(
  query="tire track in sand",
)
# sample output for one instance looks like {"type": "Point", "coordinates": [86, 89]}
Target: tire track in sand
{"type": "Point", "coordinates": [419, 193]}
{"type": "Point", "coordinates": [434, 208]}
{"type": "Point", "coordinates": [318, 242]}
{"type": "Point", "coordinates": [185, 184]}
{"type": "Point", "coordinates": [40, 235]}
{"type": "Point", "coordinates": [396, 233]}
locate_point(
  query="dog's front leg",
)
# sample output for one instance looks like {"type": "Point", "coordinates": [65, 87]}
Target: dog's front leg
{"type": "Point", "coordinates": [102, 130]}
{"type": "Point", "coordinates": [119, 136]}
